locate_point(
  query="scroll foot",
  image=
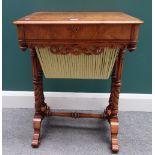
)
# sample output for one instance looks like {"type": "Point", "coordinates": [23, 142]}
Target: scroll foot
{"type": "Point", "coordinates": [36, 126]}
{"type": "Point", "coordinates": [114, 132]}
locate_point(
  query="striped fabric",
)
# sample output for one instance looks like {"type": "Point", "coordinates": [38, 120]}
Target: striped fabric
{"type": "Point", "coordinates": [77, 66]}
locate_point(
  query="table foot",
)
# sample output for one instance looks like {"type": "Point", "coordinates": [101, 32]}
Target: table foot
{"type": "Point", "coordinates": [36, 126]}
{"type": "Point", "coordinates": [114, 132]}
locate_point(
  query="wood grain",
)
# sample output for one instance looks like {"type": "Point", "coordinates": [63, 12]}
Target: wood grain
{"type": "Point", "coordinates": [78, 18]}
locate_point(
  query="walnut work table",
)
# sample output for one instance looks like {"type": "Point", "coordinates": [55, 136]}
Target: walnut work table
{"type": "Point", "coordinates": [84, 45]}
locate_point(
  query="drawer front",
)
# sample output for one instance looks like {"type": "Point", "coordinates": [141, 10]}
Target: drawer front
{"type": "Point", "coordinates": [75, 31]}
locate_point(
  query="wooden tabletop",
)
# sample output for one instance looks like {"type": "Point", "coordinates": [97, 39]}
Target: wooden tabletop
{"type": "Point", "coordinates": [78, 18]}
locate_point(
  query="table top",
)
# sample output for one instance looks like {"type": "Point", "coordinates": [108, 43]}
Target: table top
{"type": "Point", "coordinates": [78, 18]}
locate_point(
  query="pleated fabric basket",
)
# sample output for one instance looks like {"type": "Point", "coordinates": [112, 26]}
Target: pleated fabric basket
{"type": "Point", "coordinates": [82, 66]}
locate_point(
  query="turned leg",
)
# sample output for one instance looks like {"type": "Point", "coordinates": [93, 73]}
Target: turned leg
{"type": "Point", "coordinates": [111, 111]}
{"type": "Point", "coordinates": [41, 108]}
{"type": "Point", "coordinates": [108, 109]}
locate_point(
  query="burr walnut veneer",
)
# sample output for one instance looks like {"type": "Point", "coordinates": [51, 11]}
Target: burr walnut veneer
{"type": "Point", "coordinates": [77, 33]}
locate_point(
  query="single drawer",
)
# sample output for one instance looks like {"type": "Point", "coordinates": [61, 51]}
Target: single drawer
{"type": "Point", "coordinates": [76, 31]}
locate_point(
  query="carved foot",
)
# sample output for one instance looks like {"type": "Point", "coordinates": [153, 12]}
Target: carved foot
{"type": "Point", "coordinates": [114, 132]}
{"type": "Point", "coordinates": [36, 125]}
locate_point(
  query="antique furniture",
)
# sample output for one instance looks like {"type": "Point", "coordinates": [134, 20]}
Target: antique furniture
{"type": "Point", "coordinates": [85, 45]}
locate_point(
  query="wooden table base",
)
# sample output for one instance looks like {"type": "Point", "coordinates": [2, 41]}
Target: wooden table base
{"type": "Point", "coordinates": [38, 119]}
{"type": "Point", "coordinates": [42, 110]}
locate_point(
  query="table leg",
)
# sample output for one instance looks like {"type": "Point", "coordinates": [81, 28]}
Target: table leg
{"type": "Point", "coordinates": [36, 126]}
{"type": "Point", "coordinates": [41, 108]}
{"type": "Point", "coordinates": [114, 132]}
{"type": "Point", "coordinates": [111, 111]}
